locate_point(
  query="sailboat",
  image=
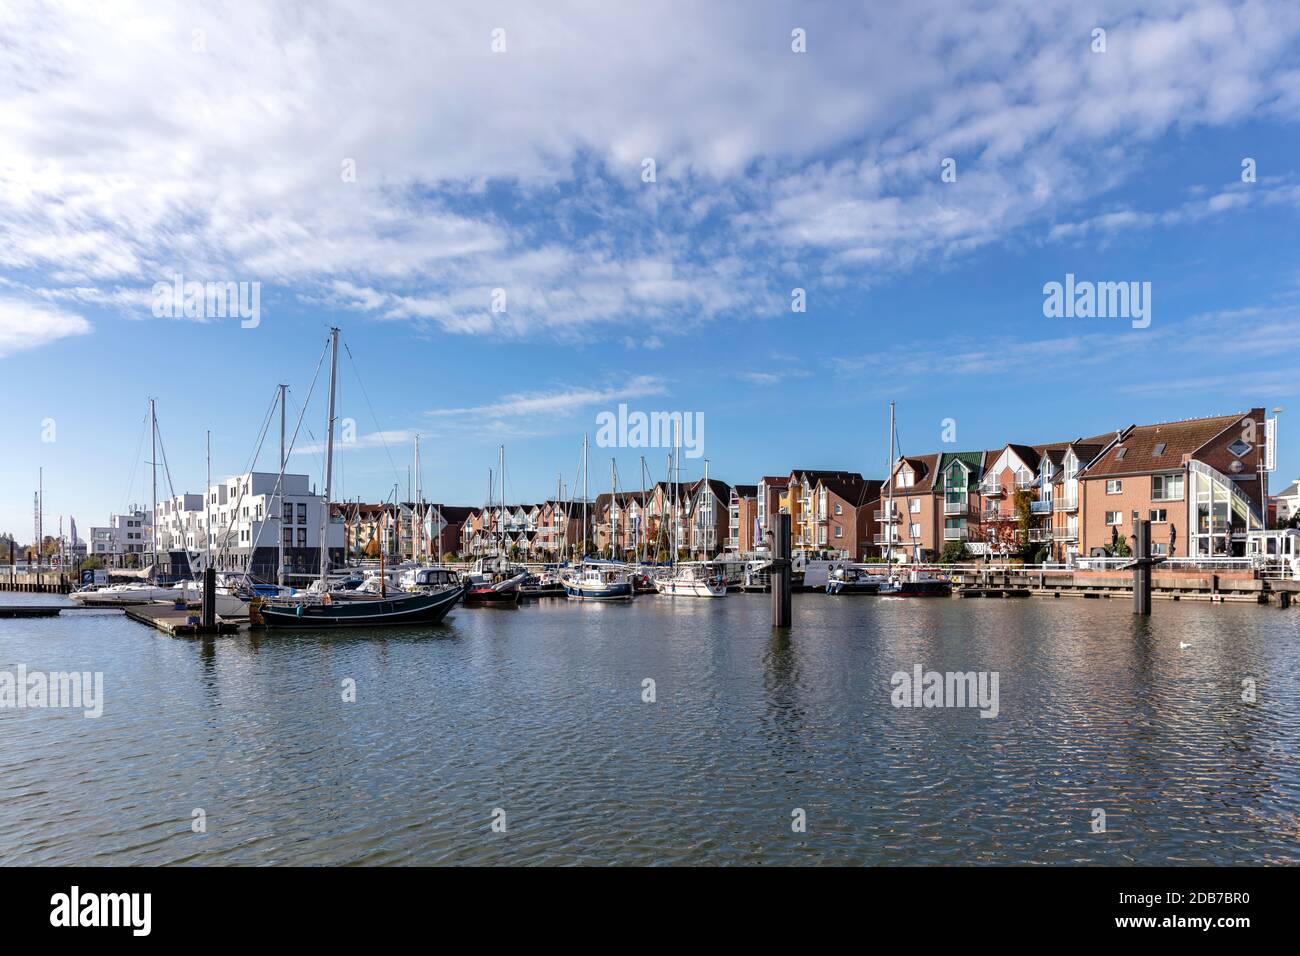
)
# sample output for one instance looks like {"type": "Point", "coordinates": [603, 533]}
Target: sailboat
{"type": "Point", "coordinates": [913, 582]}
{"type": "Point", "coordinates": [597, 580]}
{"type": "Point", "coordinates": [324, 610]}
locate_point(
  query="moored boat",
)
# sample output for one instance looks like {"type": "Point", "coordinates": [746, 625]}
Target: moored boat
{"type": "Point", "coordinates": [598, 583]}
{"type": "Point", "coordinates": [369, 611]}
{"type": "Point", "coordinates": [693, 579]}
{"type": "Point", "coordinates": [917, 582]}
{"type": "Point", "coordinates": [853, 580]}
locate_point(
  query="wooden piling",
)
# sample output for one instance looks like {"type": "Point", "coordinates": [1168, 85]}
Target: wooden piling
{"type": "Point", "coordinates": [781, 576]}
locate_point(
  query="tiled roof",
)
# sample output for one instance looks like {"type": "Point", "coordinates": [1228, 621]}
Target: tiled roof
{"type": "Point", "coordinates": [745, 491]}
{"type": "Point", "coordinates": [1172, 439]}
{"type": "Point", "coordinates": [776, 481]}
{"type": "Point", "coordinates": [973, 460]}
{"type": "Point", "coordinates": [925, 467]}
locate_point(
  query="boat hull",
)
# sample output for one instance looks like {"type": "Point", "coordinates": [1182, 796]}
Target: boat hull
{"type": "Point", "coordinates": [690, 589]}
{"type": "Point", "coordinates": [852, 587]}
{"type": "Point", "coordinates": [490, 598]}
{"type": "Point", "coordinates": [620, 591]}
{"type": "Point", "coordinates": [364, 612]}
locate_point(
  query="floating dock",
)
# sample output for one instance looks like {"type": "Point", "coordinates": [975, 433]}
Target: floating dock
{"type": "Point", "coordinates": [48, 610]}
{"type": "Point", "coordinates": [177, 623]}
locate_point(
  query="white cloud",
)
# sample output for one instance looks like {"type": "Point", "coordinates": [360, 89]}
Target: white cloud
{"type": "Point", "coordinates": [520, 170]}
{"type": "Point", "coordinates": [26, 326]}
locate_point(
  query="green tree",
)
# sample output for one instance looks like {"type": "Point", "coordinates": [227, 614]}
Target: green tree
{"type": "Point", "coordinates": [954, 551]}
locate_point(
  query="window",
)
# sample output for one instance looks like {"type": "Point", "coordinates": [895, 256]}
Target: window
{"type": "Point", "coordinates": [1167, 488]}
{"type": "Point", "coordinates": [914, 506]}
{"type": "Point", "coordinates": [914, 530]}
{"type": "Point", "coordinates": [1239, 448]}
{"type": "Point", "coordinates": [288, 512]}
{"type": "Point", "coordinates": [839, 508]}
{"type": "Point", "coordinates": [1159, 449]}
{"type": "Point", "coordinates": [1114, 486]}
{"type": "Point", "coordinates": [1159, 547]}
{"type": "Point", "coordinates": [288, 537]}
{"type": "Point", "coordinates": [1120, 452]}
{"type": "Point", "coordinates": [1159, 516]}
{"type": "Point", "coordinates": [1114, 517]}
{"type": "Point", "coordinates": [302, 537]}
{"type": "Point", "coordinates": [839, 531]}
{"type": "Point", "coordinates": [302, 513]}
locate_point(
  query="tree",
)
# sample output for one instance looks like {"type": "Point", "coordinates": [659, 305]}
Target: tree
{"type": "Point", "coordinates": [954, 551]}
{"type": "Point", "coordinates": [92, 563]}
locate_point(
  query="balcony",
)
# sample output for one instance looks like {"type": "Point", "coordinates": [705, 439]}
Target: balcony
{"type": "Point", "coordinates": [1040, 534]}
{"type": "Point", "coordinates": [886, 539]}
{"type": "Point", "coordinates": [955, 534]}
{"type": "Point", "coordinates": [1065, 504]}
{"type": "Point", "coordinates": [956, 507]}
{"type": "Point", "coordinates": [1040, 507]}
{"type": "Point", "coordinates": [992, 489]}
{"type": "Point", "coordinates": [1065, 534]}
{"type": "Point", "coordinates": [886, 517]}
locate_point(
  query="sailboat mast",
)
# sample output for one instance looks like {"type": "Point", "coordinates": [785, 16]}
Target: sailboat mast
{"type": "Point", "coordinates": [889, 472]}
{"type": "Point", "coordinates": [419, 501]}
{"type": "Point", "coordinates": [585, 494]}
{"type": "Point", "coordinates": [640, 528]}
{"type": "Point", "coordinates": [207, 512]}
{"type": "Point", "coordinates": [153, 462]}
{"type": "Point", "coordinates": [501, 463]}
{"type": "Point", "coordinates": [329, 463]}
{"type": "Point", "coordinates": [279, 502]}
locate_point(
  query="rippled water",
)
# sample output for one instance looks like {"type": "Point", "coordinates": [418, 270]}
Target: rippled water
{"type": "Point", "coordinates": [539, 712]}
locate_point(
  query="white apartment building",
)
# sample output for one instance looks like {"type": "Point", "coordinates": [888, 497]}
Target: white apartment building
{"type": "Point", "coordinates": [124, 542]}
{"type": "Point", "coordinates": [243, 520]}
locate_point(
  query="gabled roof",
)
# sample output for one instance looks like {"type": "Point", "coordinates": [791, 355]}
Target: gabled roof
{"type": "Point", "coordinates": [1290, 491]}
{"type": "Point", "coordinates": [1173, 441]}
{"type": "Point", "coordinates": [776, 481]}
{"type": "Point", "coordinates": [721, 489]}
{"type": "Point", "coordinates": [814, 475]}
{"type": "Point", "coordinates": [973, 460]}
{"type": "Point", "coordinates": [925, 467]}
{"type": "Point", "coordinates": [745, 491]}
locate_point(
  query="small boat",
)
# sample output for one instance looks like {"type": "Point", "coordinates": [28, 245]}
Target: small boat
{"type": "Point", "coordinates": [852, 580]}
{"type": "Point", "coordinates": [135, 592]}
{"type": "Point", "coordinates": [546, 584]}
{"type": "Point", "coordinates": [480, 592]}
{"type": "Point", "coordinates": [368, 611]}
{"type": "Point", "coordinates": [598, 583]}
{"type": "Point", "coordinates": [919, 582]}
{"type": "Point", "coordinates": [693, 579]}
{"type": "Point", "coordinates": [758, 575]}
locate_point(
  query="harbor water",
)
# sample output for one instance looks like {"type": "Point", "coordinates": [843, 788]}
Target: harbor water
{"type": "Point", "coordinates": [666, 731]}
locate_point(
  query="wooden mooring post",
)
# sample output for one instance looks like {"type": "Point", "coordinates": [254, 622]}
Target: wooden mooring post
{"type": "Point", "coordinates": [1142, 565]}
{"type": "Point", "coordinates": [781, 577]}
{"type": "Point", "coordinates": [209, 618]}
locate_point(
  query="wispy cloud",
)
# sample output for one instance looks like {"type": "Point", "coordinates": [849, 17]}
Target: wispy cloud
{"type": "Point", "coordinates": [24, 325]}
{"type": "Point", "coordinates": [563, 402]}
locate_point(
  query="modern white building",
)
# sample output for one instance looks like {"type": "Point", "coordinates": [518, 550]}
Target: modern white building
{"type": "Point", "coordinates": [1287, 502]}
{"type": "Point", "coordinates": [243, 520]}
{"type": "Point", "coordinates": [125, 542]}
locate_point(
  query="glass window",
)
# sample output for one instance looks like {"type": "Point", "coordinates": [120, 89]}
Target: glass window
{"type": "Point", "coordinates": [1114, 517]}
{"type": "Point", "coordinates": [1159, 516]}
{"type": "Point", "coordinates": [1114, 486]}
{"type": "Point", "coordinates": [914, 506]}
{"type": "Point", "coordinates": [1167, 487]}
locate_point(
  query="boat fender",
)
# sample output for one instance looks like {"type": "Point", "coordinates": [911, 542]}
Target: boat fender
{"type": "Point", "coordinates": [298, 610]}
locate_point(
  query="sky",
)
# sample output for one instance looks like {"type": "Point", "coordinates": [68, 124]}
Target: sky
{"type": "Point", "coordinates": [521, 216]}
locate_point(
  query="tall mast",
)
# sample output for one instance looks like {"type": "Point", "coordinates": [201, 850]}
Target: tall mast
{"type": "Point", "coordinates": [889, 472]}
{"type": "Point", "coordinates": [329, 463]}
{"type": "Point", "coordinates": [585, 495]}
{"type": "Point", "coordinates": [153, 461]}
{"type": "Point", "coordinates": [641, 516]}
{"type": "Point", "coordinates": [419, 500]}
{"type": "Point", "coordinates": [613, 502]}
{"type": "Point", "coordinates": [279, 501]}
{"type": "Point", "coordinates": [501, 452]}
{"type": "Point", "coordinates": [207, 512]}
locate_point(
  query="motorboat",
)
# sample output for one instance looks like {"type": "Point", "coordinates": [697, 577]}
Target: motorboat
{"type": "Point", "coordinates": [121, 595]}
{"type": "Point", "coordinates": [693, 579]}
{"type": "Point", "coordinates": [481, 591]}
{"type": "Point", "coordinates": [916, 582]}
{"type": "Point", "coordinates": [598, 582]}
{"type": "Point", "coordinates": [854, 580]}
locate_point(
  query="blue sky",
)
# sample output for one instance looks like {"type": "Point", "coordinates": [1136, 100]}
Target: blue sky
{"type": "Point", "coordinates": [522, 170]}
